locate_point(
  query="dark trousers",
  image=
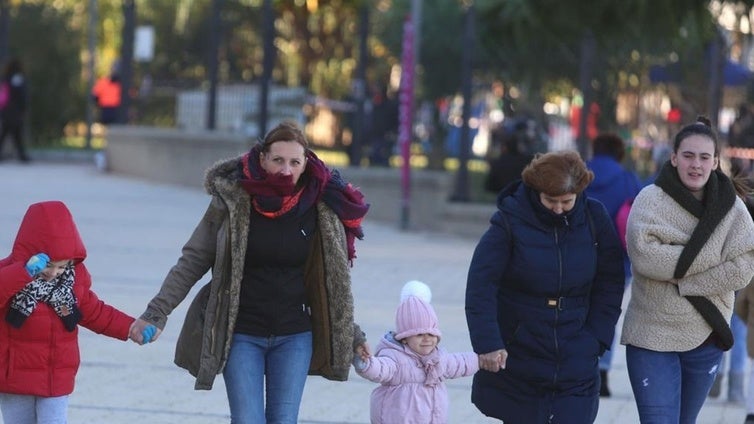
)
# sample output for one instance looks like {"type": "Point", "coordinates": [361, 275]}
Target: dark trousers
{"type": "Point", "coordinates": [16, 131]}
{"type": "Point", "coordinates": [108, 115]}
{"type": "Point", "coordinates": [382, 147]}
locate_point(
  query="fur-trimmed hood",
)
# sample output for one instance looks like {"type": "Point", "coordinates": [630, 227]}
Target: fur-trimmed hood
{"type": "Point", "coordinates": [221, 178]}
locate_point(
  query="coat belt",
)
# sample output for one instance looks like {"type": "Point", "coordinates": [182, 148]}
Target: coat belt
{"type": "Point", "coordinates": [560, 302]}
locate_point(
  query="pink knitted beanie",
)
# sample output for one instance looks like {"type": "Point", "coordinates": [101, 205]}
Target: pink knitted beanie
{"type": "Point", "coordinates": [415, 315]}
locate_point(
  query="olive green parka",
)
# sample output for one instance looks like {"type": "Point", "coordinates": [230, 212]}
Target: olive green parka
{"type": "Point", "coordinates": [219, 244]}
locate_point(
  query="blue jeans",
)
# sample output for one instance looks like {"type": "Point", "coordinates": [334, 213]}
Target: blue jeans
{"type": "Point", "coordinates": [280, 363]}
{"type": "Point", "coordinates": [671, 387]}
{"type": "Point", "coordinates": [27, 409]}
{"type": "Point", "coordinates": [737, 354]}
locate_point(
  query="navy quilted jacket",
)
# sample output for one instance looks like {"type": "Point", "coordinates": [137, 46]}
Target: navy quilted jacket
{"type": "Point", "coordinates": [548, 289]}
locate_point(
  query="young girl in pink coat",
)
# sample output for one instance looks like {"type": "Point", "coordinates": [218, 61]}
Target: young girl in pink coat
{"type": "Point", "coordinates": [410, 367]}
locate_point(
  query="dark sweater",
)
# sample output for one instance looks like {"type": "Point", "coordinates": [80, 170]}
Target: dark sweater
{"type": "Point", "coordinates": [273, 297]}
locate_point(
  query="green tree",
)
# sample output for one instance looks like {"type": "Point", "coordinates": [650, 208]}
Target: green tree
{"type": "Point", "coordinates": [40, 36]}
{"type": "Point", "coordinates": [316, 42]}
{"type": "Point", "coordinates": [537, 42]}
{"type": "Point", "coordinates": [440, 48]}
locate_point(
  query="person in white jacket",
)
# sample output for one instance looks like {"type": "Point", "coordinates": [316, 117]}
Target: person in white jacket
{"type": "Point", "coordinates": [410, 366]}
{"type": "Point", "coordinates": [691, 243]}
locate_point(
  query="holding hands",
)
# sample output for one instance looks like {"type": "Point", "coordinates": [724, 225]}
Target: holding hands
{"type": "Point", "coordinates": [493, 361]}
{"type": "Point", "coordinates": [147, 333]}
{"type": "Point", "coordinates": [361, 355]}
{"type": "Point", "coordinates": [362, 351]}
{"type": "Point", "coordinates": [142, 332]}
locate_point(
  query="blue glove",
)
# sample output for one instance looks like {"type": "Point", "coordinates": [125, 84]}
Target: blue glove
{"type": "Point", "coordinates": [37, 263]}
{"type": "Point", "coordinates": [147, 333]}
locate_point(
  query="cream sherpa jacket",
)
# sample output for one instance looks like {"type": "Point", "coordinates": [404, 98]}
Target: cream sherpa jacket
{"type": "Point", "coordinates": [658, 317]}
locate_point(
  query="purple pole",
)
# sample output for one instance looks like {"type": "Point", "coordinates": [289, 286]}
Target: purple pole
{"type": "Point", "coordinates": [406, 118]}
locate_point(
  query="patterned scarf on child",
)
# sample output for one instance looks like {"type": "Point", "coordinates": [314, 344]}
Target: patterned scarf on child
{"type": "Point", "coordinates": [58, 293]}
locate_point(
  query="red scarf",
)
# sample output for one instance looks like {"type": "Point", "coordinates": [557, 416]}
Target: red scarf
{"type": "Point", "coordinates": [275, 195]}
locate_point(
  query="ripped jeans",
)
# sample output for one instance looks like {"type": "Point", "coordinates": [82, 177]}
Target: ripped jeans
{"type": "Point", "coordinates": [671, 387]}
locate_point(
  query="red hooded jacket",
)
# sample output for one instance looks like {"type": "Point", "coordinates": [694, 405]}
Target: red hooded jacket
{"type": "Point", "coordinates": [41, 358]}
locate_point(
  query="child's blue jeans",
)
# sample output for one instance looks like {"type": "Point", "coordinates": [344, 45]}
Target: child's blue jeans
{"type": "Point", "coordinates": [25, 409]}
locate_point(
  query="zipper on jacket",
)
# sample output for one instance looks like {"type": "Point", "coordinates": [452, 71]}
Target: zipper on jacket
{"type": "Point", "coordinates": [557, 309]}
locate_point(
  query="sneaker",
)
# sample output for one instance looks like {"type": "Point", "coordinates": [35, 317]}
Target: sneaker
{"type": "Point", "coordinates": [749, 419]}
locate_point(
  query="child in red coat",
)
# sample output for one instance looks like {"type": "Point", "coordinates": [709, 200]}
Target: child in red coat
{"type": "Point", "coordinates": [45, 294]}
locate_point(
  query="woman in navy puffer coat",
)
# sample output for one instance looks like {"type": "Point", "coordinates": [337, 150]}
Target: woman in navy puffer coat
{"type": "Point", "coordinates": [543, 295]}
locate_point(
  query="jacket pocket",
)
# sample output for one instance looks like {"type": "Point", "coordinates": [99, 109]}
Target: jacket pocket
{"type": "Point", "coordinates": [190, 341]}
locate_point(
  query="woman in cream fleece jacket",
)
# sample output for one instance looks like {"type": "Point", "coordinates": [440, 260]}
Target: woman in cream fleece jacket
{"type": "Point", "coordinates": [691, 244]}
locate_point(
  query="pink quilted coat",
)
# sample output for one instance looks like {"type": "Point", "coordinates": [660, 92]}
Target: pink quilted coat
{"type": "Point", "coordinates": [412, 387]}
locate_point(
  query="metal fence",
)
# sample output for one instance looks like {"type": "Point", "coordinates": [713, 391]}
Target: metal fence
{"type": "Point", "coordinates": [238, 108]}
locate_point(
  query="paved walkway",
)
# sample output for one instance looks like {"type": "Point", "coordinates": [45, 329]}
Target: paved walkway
{"type": "Point", "coordinates": [134, 231]}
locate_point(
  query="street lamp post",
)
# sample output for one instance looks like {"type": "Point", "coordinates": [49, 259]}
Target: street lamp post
{"type": "Point", "coordinates": [715, 86]}
{"type": "Point", "coordinates": [461, 192]}
{"type": "Point", "coordinates": [268, 34]}
{"type": "Point", "coordinates": [212, 58]}
{"type": "Point", "coordinates": [588, 48]}
{"type": "Point", "coordinates": [126, 58]}
{"type": "Point", "coordinates": [4, 29]}
{"type": "Point", "coordinates": [92, 44]}
{"type": "Point", "coordinates": [360, 89]}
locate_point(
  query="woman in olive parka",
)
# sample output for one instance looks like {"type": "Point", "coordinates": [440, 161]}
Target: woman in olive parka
{"type": "Point", "coordinates": [278, 236]}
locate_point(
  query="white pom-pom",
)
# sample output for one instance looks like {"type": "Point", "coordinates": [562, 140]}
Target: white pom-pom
{"type": "Point", "coordinates": [418, 289]}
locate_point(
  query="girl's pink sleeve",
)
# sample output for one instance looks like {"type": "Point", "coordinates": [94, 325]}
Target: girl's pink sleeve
{"type": "Point", "coordinates": [460, 364]}
{"type": "Point", "coordinates": [379, 369]}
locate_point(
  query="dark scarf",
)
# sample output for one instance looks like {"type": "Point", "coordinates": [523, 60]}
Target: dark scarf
{"type": "Point", "coordinates": [547, 216]}
{"type": "Point", "coordinates": [274, 195]}
{"type": "Point", "coordinates": [719, 198]}
{"type": "Point", "coordinates": [57, 293]}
